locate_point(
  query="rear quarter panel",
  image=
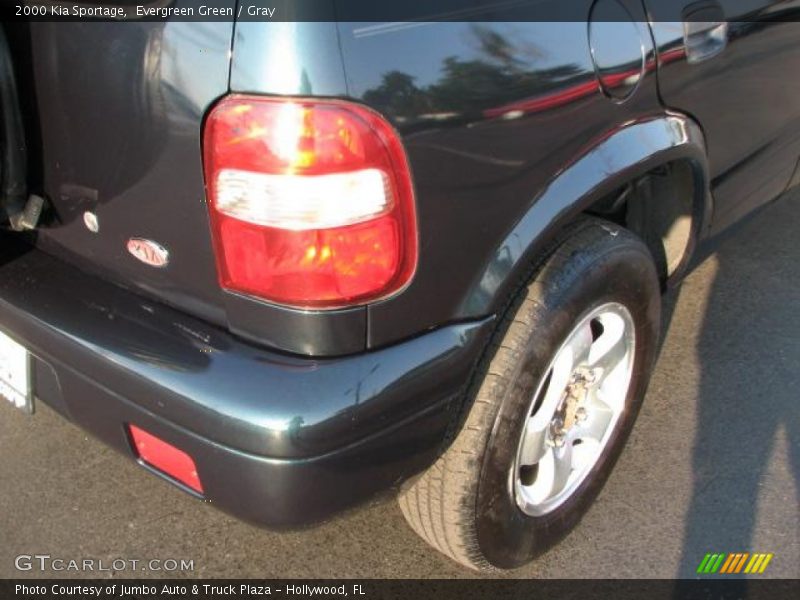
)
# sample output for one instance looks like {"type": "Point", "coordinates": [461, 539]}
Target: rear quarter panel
{"type": "Point", "coordinates": [490, 113]}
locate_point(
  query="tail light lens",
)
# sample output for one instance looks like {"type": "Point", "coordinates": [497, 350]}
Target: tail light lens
{"type": "Point", "coordinates": [311, 202]}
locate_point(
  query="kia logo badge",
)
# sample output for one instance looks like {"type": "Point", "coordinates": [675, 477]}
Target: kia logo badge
{"type": "Point", "coordinates": [149, 252]}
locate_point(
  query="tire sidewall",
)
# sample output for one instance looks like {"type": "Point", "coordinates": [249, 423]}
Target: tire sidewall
{"type": "Point", "coordinates": [618, 272]}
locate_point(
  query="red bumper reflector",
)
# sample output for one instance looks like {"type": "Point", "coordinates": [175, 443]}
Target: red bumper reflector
{"type": "Point", "coordinates": [166, 458]}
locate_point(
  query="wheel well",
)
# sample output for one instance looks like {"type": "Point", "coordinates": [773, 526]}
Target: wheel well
{"type": "Point", "coordinates": [663, 207]}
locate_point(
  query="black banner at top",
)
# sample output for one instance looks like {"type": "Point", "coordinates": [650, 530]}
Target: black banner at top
{"type": "Point", "coordinates": [351, 589]}
{"type": "Point", "coordinates": [388, 11]}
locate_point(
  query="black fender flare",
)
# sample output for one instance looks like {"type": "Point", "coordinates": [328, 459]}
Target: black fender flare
{"type": "Point", "coordinates": [621, 155]}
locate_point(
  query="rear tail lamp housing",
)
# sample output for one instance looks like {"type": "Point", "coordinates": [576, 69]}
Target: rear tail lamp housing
{"type": "Point", "coordinates": [311, 201]}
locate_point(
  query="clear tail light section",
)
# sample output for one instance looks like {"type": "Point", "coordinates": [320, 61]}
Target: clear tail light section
{"type": "Point", "coordinates": [311, 201]}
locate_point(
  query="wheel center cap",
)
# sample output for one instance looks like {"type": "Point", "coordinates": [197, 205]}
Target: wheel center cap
{"type": "Point", "coordinates": [570, 410]}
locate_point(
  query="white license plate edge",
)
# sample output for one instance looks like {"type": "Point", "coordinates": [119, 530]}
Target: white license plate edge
{"type": "Point", "coordinates": [15, 373]}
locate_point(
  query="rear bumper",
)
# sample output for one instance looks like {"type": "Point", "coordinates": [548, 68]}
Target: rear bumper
{"type": "Point", "coordinates": [278, 440]}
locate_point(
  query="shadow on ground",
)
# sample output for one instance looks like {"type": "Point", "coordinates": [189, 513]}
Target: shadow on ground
{"type": "Point", "coordinates": [749, 391]}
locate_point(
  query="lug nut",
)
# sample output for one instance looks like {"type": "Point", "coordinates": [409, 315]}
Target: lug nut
{"type": "Point", "coordinates": [555, 442]}
{"type": "Point", "coordinates": [581, 414]}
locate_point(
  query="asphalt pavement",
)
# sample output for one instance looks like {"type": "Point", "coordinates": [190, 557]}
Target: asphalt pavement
{"type": "Point", "coordinates": [713, 464]}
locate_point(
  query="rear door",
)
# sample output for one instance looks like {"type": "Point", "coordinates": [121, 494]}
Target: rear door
{"type": "Point", "coordinates": [733, 65]}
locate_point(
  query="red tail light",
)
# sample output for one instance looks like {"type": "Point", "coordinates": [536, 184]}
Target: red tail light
{"type": "Point", "coordinates": [311, 202]}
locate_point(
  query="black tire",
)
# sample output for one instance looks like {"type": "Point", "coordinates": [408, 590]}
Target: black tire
{"type": "Point", "coordinates": [462, 505]}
